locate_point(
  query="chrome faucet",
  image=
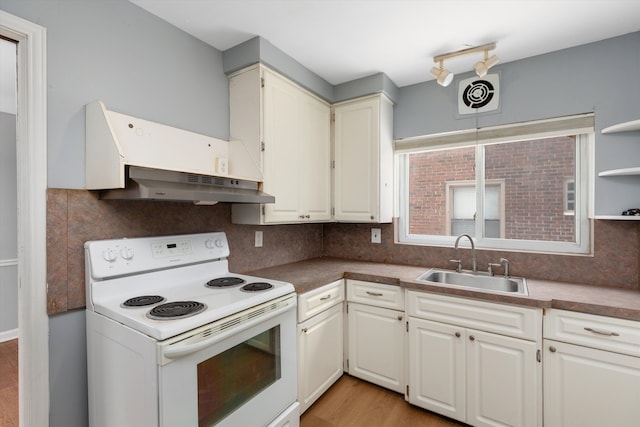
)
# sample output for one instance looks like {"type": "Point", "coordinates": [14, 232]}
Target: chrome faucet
{"type": "Point", "coordinates": [473, 250]}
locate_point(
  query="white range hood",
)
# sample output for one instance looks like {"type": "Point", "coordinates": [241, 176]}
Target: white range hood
{"type": "Point", "coordinates": [132, 158]}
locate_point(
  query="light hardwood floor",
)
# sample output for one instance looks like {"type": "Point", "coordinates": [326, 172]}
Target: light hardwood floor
{"type": "Point", "coordinates": [353, 402]}
{"type": "Point", "coordinates": [9, 383]}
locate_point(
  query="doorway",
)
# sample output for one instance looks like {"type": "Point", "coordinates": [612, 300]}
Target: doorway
{"type": "Point", "coordinates": [8, 236]}
{"type": "Point", "coordinates": [30, 143]}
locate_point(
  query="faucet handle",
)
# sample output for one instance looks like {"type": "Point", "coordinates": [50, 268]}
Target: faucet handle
{"type": "Point", "coordinates": [458, 263]}
{"type": "Point", "coordinates": [505, 264]}
{"type": "Point", "coordinates": [491, 266]}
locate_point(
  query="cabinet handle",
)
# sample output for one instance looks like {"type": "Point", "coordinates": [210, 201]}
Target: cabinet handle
{"type": "Point", "coordinates": [472, 338]}
{"type": "Point", "coordinates": [301, 216]}
{"type": "Point", "coordinates": [399, 317]}
{"type": "Point", "coordinates": [307, 216]}
{"type": "Point", "coordinates": [304, 330]}
{"type": "Point", "coordinates": [374, 294]}
{"type": "Point", "coordinates": [552, 349]}
{"type": "Point", "coordinates": [325, 298]}
{"type": "Point", "coordinates": [601, 332]}
{"type": "Point", "coordinates": [457, 334]}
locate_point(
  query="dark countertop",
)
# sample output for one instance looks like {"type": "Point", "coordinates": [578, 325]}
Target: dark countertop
{"type": "Point", "coordinates": [607, 301]}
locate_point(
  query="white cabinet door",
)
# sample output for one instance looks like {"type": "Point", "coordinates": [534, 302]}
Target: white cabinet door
{"type": "Point", "coordinates": [503, 376]}
{"type": "Point", "coordinates": [364, 160]}
{"type": "Point", "coordinates": [590, 388]}
{"type": "Point", "coordinates": [377, 345]}
{"type": "Point", "coordinates": [282, 115]}
{"type": "Point", "coordinates": [315, 160]}
{"type": "Point", "coordinates": [320, 354]}
{"type": "Point", "coordinates": [437, 367]}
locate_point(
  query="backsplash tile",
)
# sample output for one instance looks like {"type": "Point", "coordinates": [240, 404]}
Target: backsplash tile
{"type": "Point", "coordinates": [616, 261]}
{"type": "Point", "coordinates": [57, 251]}
{"type": "Point", "coordinates": [76, 216]}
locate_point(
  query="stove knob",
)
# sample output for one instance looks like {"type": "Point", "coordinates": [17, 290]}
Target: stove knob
{"type": "Point", "coordinates": [109, 255]}
{"type": "Point", "coordinates": [126, 253]}
{"type": "Point", "coordinates": [214, 243]}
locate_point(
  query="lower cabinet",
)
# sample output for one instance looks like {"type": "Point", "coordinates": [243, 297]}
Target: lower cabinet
{"type": "Point", "coordinates": [376, 345]}
{"type": "Point", "coordinates": [437, 368]}
{"type": "Point", "coordinates": [474, 361]}
{"type": "Point", "coordinates": [503, 376]}
{"type": "Point", "coordinates": [478, 377]}
{"type": "Point", "coordinates": [591, 370]}
{"type": "Point", "coordinates": [376, 334]}
{"type": "Point", "coordinates": [588, 387]}
{"type": "Point", "coordinates": [319, 355]}
{"type": "Point", "coordinates": [320, 341]}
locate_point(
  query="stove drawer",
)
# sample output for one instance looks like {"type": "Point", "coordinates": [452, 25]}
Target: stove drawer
{"type": "Point", "coordinates": [315, 301]}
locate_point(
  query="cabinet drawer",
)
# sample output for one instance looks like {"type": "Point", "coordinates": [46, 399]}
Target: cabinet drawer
{"type": "Point", "coordinates": [504, 319]}
{"type": "Point", "coordinates": [376, 294]}
{"type": "Point", "coordinates": [606, 333]}
{"type": "Point", "coordinates": [315, 301]}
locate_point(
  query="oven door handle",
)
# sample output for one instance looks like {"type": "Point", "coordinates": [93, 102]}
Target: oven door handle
{"type": "Point", "coordinates": [182, 350]}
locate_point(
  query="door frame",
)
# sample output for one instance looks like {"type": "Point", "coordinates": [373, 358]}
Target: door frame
{"type": "Point", "coordinates": [31, 154]}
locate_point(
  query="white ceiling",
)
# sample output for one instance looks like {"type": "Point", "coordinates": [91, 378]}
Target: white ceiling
{"type": "Point", "coordinates": [342, 40]}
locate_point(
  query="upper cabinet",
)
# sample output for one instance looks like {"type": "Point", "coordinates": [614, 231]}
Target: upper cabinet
{"type": "Point", "coordinates": [363, 152]}
{"type": "Point", "coordinates": [286, 131]}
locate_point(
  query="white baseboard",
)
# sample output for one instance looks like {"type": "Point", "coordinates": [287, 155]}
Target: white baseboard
{"type": "Point", "coordinates": [9, 335]}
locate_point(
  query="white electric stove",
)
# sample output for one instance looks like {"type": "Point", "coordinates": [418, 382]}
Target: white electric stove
{"type": "Point", "coordinates": [167, 312]}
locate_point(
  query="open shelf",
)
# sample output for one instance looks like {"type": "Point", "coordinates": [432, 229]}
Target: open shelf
{"type": "Point", "coordinates": [621, 172]}
{"type": "Point", "coordinates": [623, 127]}
{"type": "Point", "coordinates": [618, 217]}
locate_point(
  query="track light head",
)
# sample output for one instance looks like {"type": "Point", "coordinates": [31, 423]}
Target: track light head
{"type": "Point", "coordinates": [482, 67]}
{"type": "Point", "coordinates": [443, 77]}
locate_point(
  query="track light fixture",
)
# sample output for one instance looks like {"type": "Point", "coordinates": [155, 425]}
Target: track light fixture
{"type": "Point", "coordinates": [444, 77]}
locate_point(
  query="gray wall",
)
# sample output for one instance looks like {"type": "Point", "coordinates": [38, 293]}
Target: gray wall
{"type": "Point", "coordinates": [258, 49]}
{"type": "Point", "coordinates": [8, 221]}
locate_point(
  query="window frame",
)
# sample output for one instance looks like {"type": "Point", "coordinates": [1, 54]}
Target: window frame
{"type": "Point", "coordinates": [581, 126]}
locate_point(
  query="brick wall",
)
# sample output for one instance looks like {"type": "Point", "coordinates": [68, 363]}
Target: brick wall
{"type": "Point", "coordinates": [534, 174]}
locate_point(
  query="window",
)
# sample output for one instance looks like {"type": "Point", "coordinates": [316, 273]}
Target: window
{"type": "Point", "coordinates": [461, 208]}
{"type": "Point", "coordinates": [515, 187]}
{"type": "Point", "coordinates": [569, 196]}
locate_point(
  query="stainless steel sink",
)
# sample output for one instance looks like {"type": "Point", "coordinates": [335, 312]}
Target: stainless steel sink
{"type": "Point", "coordinates": [516, 285]}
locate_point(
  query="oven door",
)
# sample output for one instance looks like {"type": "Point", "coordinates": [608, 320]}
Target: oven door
{"type": "Point", "coordinates": [239, 371]}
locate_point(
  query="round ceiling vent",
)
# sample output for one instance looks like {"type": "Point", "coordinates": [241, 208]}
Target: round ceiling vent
{"type": "Point", "coordinates": [478, 95]}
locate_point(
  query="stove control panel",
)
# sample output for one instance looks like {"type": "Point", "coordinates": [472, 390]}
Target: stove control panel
{"type": "Point", "coordinates": [117, 257]}
{"type": "Point", "coordinates": [171, 248]}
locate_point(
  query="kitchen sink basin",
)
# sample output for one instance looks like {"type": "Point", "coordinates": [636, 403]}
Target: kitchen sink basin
{"type": "Point", "coordinates": [482, 281]}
